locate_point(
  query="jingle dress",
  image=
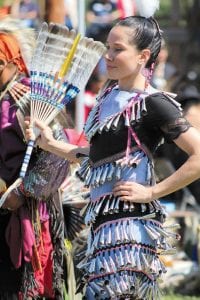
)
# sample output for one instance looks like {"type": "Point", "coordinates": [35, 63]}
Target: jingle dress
{"type": "Point", "coordinates": [126, 239]}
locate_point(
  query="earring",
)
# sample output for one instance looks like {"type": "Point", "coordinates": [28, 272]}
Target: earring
{"type": "Point", "coordinates": [147, 73]}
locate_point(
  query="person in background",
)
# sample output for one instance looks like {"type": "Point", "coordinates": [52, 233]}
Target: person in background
{"type": "Point", "coordinates": [32, 230]}
{"type": "Point", "coordinates": [164, 71]}
{"type": "Point", "coordinates": [189, 98]}
{"type": "Point", "coordinates": [125, 127]}
{"type": "Point", "coordinates": [71, 13]}
{"type": "Point", "coordinates": [92, 88]}
{"type": "Point", "coordinates": [27, 11]}
{"type": "Point", "coordinates": [55, 11]}
{"type": "Point", "coordinates": [126, 8]}
{"type": "Point", "coordinates": [100, 15]}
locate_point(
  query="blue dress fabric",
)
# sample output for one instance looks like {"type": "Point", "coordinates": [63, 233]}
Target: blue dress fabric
{"type": "Point", "coordinates": [126, 238]}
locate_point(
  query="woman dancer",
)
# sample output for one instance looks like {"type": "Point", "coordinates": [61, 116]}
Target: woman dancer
{"type": "Point", "coordinates": [125, 127]}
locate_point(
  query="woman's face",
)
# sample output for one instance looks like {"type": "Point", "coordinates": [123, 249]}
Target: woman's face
{"type": "Point", "coordinates": [123, 60]}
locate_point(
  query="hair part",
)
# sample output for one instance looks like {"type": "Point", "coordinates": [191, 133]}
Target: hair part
{"type": "Point", "coordinates": [146, 35]}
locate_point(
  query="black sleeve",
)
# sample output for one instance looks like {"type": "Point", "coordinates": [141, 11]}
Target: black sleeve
{"type": "Point", "coordinates": [164, 114]}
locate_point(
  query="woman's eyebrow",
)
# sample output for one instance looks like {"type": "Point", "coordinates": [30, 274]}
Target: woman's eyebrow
{"type": "Point", "coordinates": [115, 44]}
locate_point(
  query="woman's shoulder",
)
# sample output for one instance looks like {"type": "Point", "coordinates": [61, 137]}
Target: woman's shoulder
{"type": "Point", "coordinates": [161, 99]}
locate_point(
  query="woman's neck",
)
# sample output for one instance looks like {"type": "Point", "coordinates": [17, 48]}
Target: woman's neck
{"type": "Point", "coordinates": [135, 83]}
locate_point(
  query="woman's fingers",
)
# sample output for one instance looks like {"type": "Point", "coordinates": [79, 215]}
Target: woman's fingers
{"type": "Point", "coordinates": [132, 191]}
{"type": "Point", "coordinates": [121, 186]}
{"type": "Point", "coordinates": [40, 125]}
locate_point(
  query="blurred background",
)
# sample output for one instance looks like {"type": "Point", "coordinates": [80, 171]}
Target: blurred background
{"type": "Point", "coordinates": [177, 71]}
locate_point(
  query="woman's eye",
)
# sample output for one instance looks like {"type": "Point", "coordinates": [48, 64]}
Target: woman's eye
{"type": "Point", "coordinates": [118, 49]}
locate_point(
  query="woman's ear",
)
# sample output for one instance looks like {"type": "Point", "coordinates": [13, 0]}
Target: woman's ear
{"type": "Point", "coordinates": [144, 56]}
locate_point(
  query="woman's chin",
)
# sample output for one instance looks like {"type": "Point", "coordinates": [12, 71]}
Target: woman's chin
{"type": "Point", "coordinates": [112, 76]}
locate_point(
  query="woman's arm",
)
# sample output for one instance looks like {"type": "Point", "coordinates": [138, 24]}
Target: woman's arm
{"type": "Point", "coordinates": [189, 142]}
{"type": "Point", "coordinates": [47, 142]}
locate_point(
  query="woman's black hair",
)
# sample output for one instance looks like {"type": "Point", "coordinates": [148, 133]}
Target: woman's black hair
{"type": "Point", "coordinates": [147, 35]}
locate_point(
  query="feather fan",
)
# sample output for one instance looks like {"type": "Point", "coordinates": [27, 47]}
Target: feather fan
{"type": "Point", "coordinates": [61, 66]}
{"type": "Point", "coordinates": [147, 8]}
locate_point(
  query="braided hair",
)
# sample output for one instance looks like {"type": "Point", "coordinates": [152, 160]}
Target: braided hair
{"type": "Point", "coordinates": [147, 35]}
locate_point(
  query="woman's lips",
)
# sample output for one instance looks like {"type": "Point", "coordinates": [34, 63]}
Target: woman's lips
{"type": "Point", "coordinates": [110, 67]}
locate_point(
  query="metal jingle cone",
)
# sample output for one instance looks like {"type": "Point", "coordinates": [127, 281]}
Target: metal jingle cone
{"type": "Point", "coordinates": [132, 207]}
{"type": "Point", "coordinates": [118, 172]}
{"type": "Point", "coordinates": [172, 226]}
{"type": "Point", "coordinates": [137, 259]}
{"type": "Point", "coordinates": [125, 237]}
{"type": "Point", "coordinates": [144, 262]}
{"type": "Point", "coordinates": [87, 218]}
{"type": "Point", "coordinates": [109, 236]}
{"type": "Point", "coordinates": [110, 172]}
{"type": "Point", "coordinates": [131, 255]}
{"type": "Point", "coordinates": [111, 262]}
{"type": "Point", "coordinates": [117, 288]}
{"type": "Point", "coordinates": [117, 236]}
{"type": "Point", "coordinates": [143, 207]}
{"type": "Point", "coordinates": [120, 259]}
{"type": "Point", "coordinates": [97, 207]}
{"type": "Point", "coordinates": [104, 174]}
{"type": "Point", "coordinates": [85, 172]}
{"type": "Point", "coordinates": [101, 128]}
{"type": "Point", "coordinates": [90, 293]}
{"type": "Point", "coordinates": [115, 122]}
{"type": "Point", "coordinates": [124, 286]}
{"type": "Point", "coordinates": [154, 236]}
{"type": "Point", "coordinates": [92, 183]}
{"type": "Point", "coordinates": [116, 206]}
{"type": "Point", "coordinates": [132, 232]}
{"type": "Point", "coordinates": [149, 216]}
{"type": "Point", "coordinates": [98, 290]}
{"type": "Point", "coordinates": [108, 124]}
{"type": "Point", "coordinates": [163, 232]}
{"type": "Point", "coordinates": [138, 114]}
{"type": "Point", "coordinates": [91, 268]}
{"type": "Point", "coordinates": [106, 208]}
{"type": "Point", "coordinates": [127, 258]}
{"type": "Point", "coordinates": [96, 240]}
{"type": "Point", "coordinates": [99, 264]}
{"type": "Point", "coordinates": [106, 265]}
{"type": "Point", "coordinates": [127, 121]}
{"type": "Point", "coordinates": [151, 208]}
{"type": "Point", "coordinates": [110, 292]}
{"type": "Point", "coordinates": [168, 252]}
{"type": "Point", "coordinates": [93, 130]}
{"type": "Point", "coordinates": [133, 115]}
{"type": "Point", "coordinates": [154, 267]}
{"type": "Point", "coordinates": [126, 206]}
{"type": "Point", "coordinates": [89, 178]}
{"type": "Point", "coordinates": [143, 108]}
{"type": "Point", "coordinates": [98, 175]}
{"type": "Point", "coordinates": [102, 237]}
{"type": "Point", "coordinates": [112, 206]}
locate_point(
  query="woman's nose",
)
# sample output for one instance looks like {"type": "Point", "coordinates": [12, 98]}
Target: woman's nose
{"type": "Point", "coordinates": [108, 55]}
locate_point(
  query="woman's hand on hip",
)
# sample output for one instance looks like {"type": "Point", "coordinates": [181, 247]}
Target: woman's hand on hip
{"type": "Point", "coordinates": [133, 192]}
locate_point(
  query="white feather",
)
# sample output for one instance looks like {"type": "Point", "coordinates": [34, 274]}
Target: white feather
{"type": "Point", "coordinates": [147, 8]}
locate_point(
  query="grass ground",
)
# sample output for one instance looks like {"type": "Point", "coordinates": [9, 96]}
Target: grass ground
{"type": "Point", "coordinates": [176, 297]}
